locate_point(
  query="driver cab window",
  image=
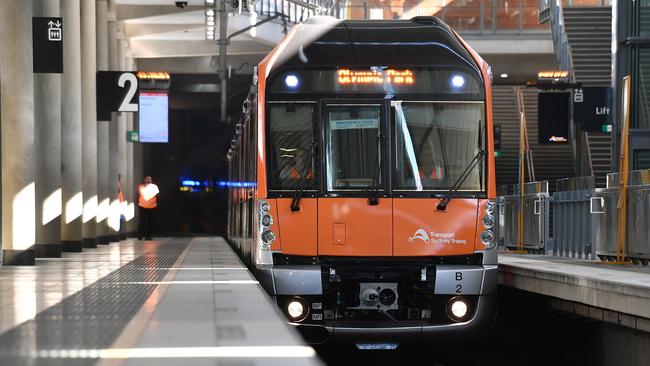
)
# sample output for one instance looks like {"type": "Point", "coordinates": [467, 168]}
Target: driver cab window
{"type": "Point", "coordinates": [291, 161]}
{"type": "Point", "coordinates": [353, 147]}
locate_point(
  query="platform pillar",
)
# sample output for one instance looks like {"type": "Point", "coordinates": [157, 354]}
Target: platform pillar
{"type": "Point", "coordinates": [102, 129]}
{"type": "Point", "coordinates": [89, 123]}
{"type": "Point", "coordinates": [113, 157]}
{"type": "Point", "coordinates": [71, 192]}
{"type": "Point", "coordinates": [121, 145]}
{"type": "Point", "coordinates": [47, 149]}
{"type": "Point", "coordinates": [17, 133]}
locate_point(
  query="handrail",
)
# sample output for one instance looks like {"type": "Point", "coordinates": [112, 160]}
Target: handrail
{"type": "Point", "coordinates": [587, 160]}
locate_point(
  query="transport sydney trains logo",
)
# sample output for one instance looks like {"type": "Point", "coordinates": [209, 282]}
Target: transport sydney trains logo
{"type": "Point", "coordinates": [435, 238]}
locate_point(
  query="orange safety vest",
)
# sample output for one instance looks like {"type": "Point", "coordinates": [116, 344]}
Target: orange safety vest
{"type": "Point", "coordinates": [295, 174]}
{"type": "Point", "coordinates": [147, 197]}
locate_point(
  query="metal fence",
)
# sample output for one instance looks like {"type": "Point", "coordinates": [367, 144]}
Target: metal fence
{"type": "Point", "coordinates": [535, 212]}
{"type": "Point", "coordinates": [584, 218]}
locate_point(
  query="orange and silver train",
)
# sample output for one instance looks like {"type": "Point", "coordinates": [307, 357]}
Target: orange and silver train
{"type": "Point", "coordinates": [362, 180]}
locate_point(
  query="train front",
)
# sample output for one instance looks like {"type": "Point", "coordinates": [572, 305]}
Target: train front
{"type": "Point", "coordinates": [376, 181]}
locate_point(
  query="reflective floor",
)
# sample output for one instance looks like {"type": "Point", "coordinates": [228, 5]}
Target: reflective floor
{"type": "Point", "coordinates": [144, 303]}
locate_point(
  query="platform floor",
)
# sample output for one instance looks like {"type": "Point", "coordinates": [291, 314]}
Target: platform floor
{"type": "Point", "coordinates": [607, 290]}
{"type": "Point", "coordinates": [162, 302]}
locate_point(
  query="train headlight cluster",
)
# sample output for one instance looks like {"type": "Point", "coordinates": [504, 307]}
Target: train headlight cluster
{"type": "Point", "coordinates": [488, 221]}
{"type": "Point", "coordinates": [487, 236]}
{"type": "Point", "coordinates": [457, 309]}
{"type": "Point", "coordinates": [267, 237]}
{"type": "Point", "coordinates": [297, 309]}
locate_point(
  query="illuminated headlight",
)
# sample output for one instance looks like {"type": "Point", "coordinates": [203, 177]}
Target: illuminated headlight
{"type": "Point", "coordinates": [267, 220]}
{"type": "Point", "coordinates": [489, 208]}
{"type": "Point", "coordinates": [488, 221]}
{"type": "Point", "coordinates": [457, 309]}
{"type": "Point", "coordinates": [268, 236]}
{"type": "Point", "coordinates": [487, 238]}
{"type": "Point", "coordinates": [265, 206]}
{"type": "Point", "coordinates": [297, 309]}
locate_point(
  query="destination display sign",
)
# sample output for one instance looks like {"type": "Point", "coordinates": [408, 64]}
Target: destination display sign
{"type": "Point", "coordinates": [375, 76]}
{"type": "Point", "coordinates": [390, 81]}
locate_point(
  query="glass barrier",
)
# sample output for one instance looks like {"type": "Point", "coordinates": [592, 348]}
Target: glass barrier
{"type": "Point", "coordinates": [586, 3]}
{"type": "Point", "coordinates": [484, 16]}
{"type": "Point", "coordinates": [530, 187]}
{"type": "Point", "coordinates": [635, 178]}
{"type": "Point", "coordinates": [576, 184]}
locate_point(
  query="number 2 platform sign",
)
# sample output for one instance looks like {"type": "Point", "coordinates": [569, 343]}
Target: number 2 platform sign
{"type": "Point", "coordinates": [117, 91]}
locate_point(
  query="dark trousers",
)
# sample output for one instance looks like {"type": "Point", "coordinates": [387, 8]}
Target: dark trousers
{"type": "Point", "coordinates": [146, 221]}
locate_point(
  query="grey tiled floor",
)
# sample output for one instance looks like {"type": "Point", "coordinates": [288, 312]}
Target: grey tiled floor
{"type": "Point", "coordinates": [139, 303]}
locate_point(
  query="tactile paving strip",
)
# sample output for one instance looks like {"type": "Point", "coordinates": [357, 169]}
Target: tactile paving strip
{"type": "Point", "coordinates": [92, 318]}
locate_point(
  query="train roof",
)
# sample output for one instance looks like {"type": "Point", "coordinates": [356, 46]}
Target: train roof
{"type": "Point", "coordinates": [325, 42]}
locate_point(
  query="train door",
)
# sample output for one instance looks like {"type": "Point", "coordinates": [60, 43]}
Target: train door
{"type": "Point", "coordinates": [354, 213]}
{"type": "Point", "coordinates": [434, 142]}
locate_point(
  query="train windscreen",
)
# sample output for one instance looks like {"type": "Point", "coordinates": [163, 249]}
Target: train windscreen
{"type": "Point", "coordinates": [434, 144]}
{"type": "Point", "coordinates": [353, 147]}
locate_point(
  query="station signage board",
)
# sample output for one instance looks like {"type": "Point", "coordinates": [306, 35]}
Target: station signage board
{"type": "Point", "coordinates": [117, 91]}
{"type": "Point", "coordinates": [592, 108]}
{"type": "Point", "coordinates": [553, 117]}
{"type": "Point", "coordinates": [47, 45]}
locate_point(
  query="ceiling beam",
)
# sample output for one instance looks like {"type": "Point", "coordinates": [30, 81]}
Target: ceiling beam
{"type": "Point", "coordinates": [184, 48]}
{"type": "Point", "coordinates": [132, 30]}
{"type": "Point", "coordinates": [128, 12]}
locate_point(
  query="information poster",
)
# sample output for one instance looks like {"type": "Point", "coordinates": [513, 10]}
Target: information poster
{"type": "Point", "coordinates": [154, 117]}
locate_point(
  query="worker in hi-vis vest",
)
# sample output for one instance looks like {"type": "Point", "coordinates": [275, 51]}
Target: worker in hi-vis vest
{"type": "Point", "coordinates": [147, 203]}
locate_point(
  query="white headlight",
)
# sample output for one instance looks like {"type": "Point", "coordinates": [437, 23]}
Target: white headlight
{"type": "Point", "coordinates": [296, 310]}
{"type": "Point", "coordinates": [268, 236]}
{"type": "Point", "coordinates": [265, 206]}
{"type": "Point", "coordinates": [487, 237]}
{"type": "Point", "coordinates": [459, 309]}
{"type": "Point", "coordinates": [267, 220]}
{"type": "Point", "coordinates": [489, 208]}
{"type": "Point", "coordinates": [488, 221]}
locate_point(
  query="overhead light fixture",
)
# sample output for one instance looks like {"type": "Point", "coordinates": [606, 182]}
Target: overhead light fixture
{"type": "Point", "coordinates": [209, 12]}
{"type": "Point", "coordinates": [504, 75]}
{"type": "Point", "coordinates": [209, 2]}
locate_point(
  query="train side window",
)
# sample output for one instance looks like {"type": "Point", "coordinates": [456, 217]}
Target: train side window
{"type": "Point", "coordinates": [291, 135]}
{"type": "Point", "coordinates": [353, 147]}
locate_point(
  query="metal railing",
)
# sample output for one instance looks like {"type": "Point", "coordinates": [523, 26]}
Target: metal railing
{"type": "Point", "coordinates": [573, 222]}
{"type": "Point", "coordinates": [479, 17]}
{"type": "Point", "coordinates": [535, 212]}
{"type": "Point", "coordinates": [585, 218]}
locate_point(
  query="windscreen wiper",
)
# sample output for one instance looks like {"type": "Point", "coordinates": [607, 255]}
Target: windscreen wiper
{"type": "Point", "coordinates": [445, 200]}
{"type": "Point", "coordinates": [302, 182]}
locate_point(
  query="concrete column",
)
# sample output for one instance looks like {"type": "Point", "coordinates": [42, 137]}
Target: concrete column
{"type": "Point", "coordinates": [113, 158]}
{"type": "Point", "coordinates": [102, 129]}
{"type": "Point", "coordinates": [89, 123]}
{"type": "Point", "coordinates": [17, 130]}
{"type": "Point", "coordinates": [47, 149]}
{"type": "Point", "coordinates": [121, 144]}
{"type": "Point", "coordinates": [128, 187]}
{"type": "Point", "coordinates": [71, 129]}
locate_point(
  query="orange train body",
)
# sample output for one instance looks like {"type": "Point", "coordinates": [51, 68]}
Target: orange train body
{"type": "Point", "coordinates": [359, 245]}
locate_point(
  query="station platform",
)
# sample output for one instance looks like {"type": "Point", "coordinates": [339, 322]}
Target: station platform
{"type": "Point", "coordinates": [612, 293]}
{"type": "Point", "coordinates": [143, 303]}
